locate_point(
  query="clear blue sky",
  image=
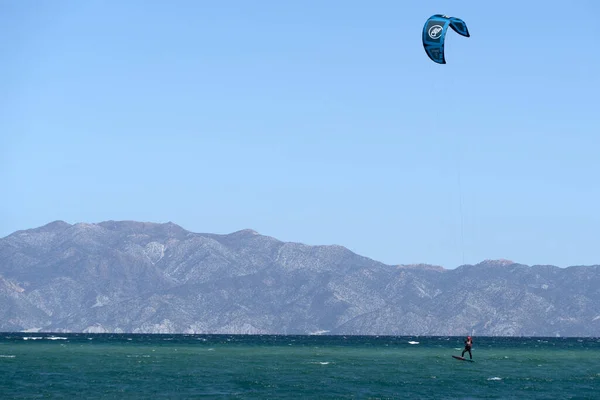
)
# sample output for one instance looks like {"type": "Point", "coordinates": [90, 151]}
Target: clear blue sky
{"type": "Point", "coordinates": [321, 122]}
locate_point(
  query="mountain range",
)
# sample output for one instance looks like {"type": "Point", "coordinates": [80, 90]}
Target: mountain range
{"type": "Point", "coordinates": [136, 277]}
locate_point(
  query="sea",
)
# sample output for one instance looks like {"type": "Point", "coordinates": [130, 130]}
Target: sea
{"type": "Point", "coordinates": [164, 366]}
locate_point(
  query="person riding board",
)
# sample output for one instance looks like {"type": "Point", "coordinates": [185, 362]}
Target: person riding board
{"type": "Point", "coordinates": [468, 344]}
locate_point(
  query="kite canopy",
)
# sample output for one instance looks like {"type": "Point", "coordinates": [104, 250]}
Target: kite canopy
{"type": "Point", "coordinates": [434, 33]}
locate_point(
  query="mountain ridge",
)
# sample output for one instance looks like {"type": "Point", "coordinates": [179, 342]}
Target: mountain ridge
{"type": "Point", "coordinates": [110, 224]}
{"type": "Point", "coordinates": [131, 276]}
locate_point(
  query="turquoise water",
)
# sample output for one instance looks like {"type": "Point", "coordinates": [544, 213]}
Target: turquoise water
{"type": "Point", "coordinates": [111, 366]}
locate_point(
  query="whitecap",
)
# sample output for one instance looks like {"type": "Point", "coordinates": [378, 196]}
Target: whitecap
{"type": "Point", "coordinates": [413, 342]}
{"type": "Point", "coordinates": [495, 378]}
{"type": "Point", "coordinates": [6, 356]}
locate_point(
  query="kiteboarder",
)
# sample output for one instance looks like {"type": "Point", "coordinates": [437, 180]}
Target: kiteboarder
{"type": "Point", "coordinates": [468, 344]}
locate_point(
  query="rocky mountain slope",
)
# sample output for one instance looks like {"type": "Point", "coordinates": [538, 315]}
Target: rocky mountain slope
{"type": "Point", "coordinates": [123, 276]}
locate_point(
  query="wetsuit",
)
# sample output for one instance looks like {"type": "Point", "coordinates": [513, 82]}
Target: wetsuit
{"type": "Point", "coordinates": [468, 344]}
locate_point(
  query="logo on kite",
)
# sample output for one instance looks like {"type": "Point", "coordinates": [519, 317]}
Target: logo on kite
{"type": "Point", "coordinates": [434, 33]}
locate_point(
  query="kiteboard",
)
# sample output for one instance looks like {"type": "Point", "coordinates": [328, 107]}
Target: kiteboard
{"type": "Point", "coordinates": [462, 358]}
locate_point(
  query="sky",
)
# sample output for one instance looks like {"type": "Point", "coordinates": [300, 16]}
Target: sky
{"type": "Point", "coordinates": [320, 122]}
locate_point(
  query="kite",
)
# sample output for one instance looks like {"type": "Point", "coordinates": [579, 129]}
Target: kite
{"type": "Point", "coordinates": [434, 33]}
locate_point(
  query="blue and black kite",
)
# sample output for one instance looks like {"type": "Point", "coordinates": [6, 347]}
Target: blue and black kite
{"type": "Point", "coordinates": [434, 33]}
